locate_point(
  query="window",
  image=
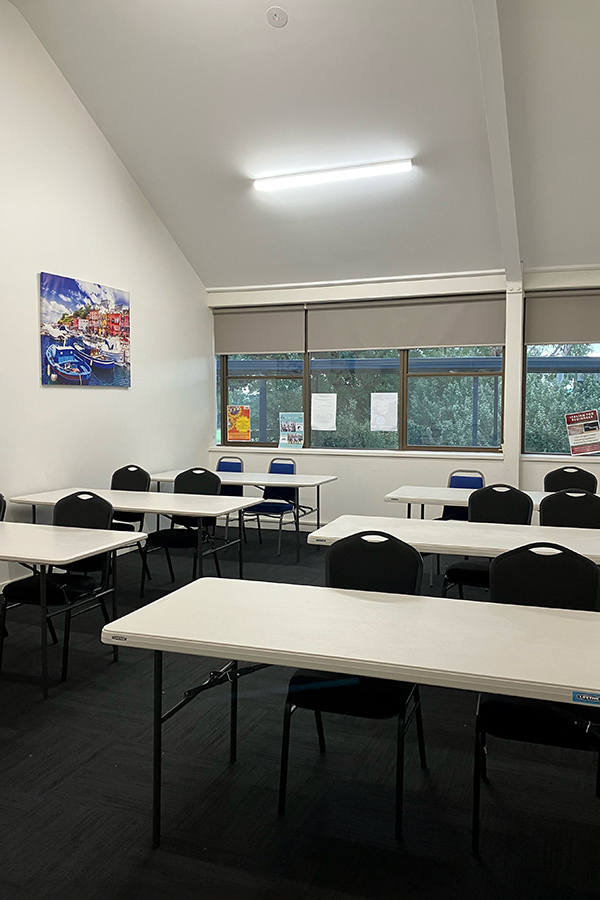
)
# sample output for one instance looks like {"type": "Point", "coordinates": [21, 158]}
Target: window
{"type": "Point", "coordinates": [444, 397]}
{"type": "Point", "coordinates": [560, 379]}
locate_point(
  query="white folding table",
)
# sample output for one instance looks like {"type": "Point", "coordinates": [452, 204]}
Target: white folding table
{"type": "Point", "coordinates": [550, 654]}
{"type": "Point", "coordinates": [196, 506]}
{"type": "Point", "coordinates": [442, 496]}
{"type": "Point", "coordinates": [461, 538]}
{"type": "Point", "coordinates": [45, 546]}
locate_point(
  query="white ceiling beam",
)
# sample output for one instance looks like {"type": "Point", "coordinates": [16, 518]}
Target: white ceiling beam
{"type": "Point", "coordinates": [492, 78]}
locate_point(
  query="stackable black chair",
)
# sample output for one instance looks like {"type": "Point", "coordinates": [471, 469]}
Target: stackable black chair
{"type": "Point", "coordinates": [183, 533]}
{"type": "Point", "coordinates": [368, 561]}
{"type": "Point", "coordinates": [570, 477]}
{"type": "Point", "coordinates": [548, 575]}
{"type": "Point", "coordinates": [82, 586]}
{"type": "Point", "coordinates": [130, 478]}
{"type": "Point", "coordinates": [573, 508]}
{"type": "Point", "coordinates": [498, 503]}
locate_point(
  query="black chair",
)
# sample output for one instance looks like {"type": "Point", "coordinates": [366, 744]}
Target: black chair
{"type": "Point", "coordinates": [183, 533]}
{"type": "Point", "coordinates": [277, 502]}
{"type": "Point", "coordinates": [570, 477]}
{"type": "Point", "coordinates": [82, 586]}
{"type": "Point", "coordinates": [499, 503]}
{"type": "Point", "coordinates": [2, 507]}
{"type": "Point", "coordinates": [231, 464]}
{"type": "Point", "coordinates": [574, 508]}
{"type": "Point", "coordinates": [368, 561]}
{"type": "Point", "coordinates": [548, 575]}
{"type": "Point", "coordinates": [130, 478]}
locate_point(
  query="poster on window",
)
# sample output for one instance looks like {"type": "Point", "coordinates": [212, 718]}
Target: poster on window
{"type": "Point", "coordinates": [323, 412]}
{"type": "Point", "coordinates": [291, 430]}
{"type": "Point", "coordinates": [84, 333]}
{"type": "Point", "coordinates": [583, 430]}
{"type": "Point", "coordinates": [384, 412]}
{"type": "Point", "coordinates": [238, 423]}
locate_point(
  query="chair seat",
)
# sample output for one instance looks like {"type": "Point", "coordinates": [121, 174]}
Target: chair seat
{"type": "Point", "coordinates": [539, 722]}
{"type": "Point", "coordinates": [349, 695]}
{"type": "Point", "coordinates": [174, 538]}
{"type": "Point", "coordinates": [27, 590]}
{"type": "Point", "coordinates": [473, 572]}
{"type": "Point", "coordinates": [454, 513]}
{"type": "Point", "coordinates": [271, 508]}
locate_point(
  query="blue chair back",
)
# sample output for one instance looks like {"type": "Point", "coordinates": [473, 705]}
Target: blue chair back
{"type": "Point", "coordinates": [282, 466]}
{"type": "Point", "coordinates": [465, 481]}
{"type": "Point", "coordinates": [231, 464]}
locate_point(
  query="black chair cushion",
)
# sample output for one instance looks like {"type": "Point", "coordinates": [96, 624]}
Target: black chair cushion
{"type": "Point", "coordinates": [539, 722]}
{"type": "Point", "coordinates": [472, 572]}
{"type": "Point", "coordinates": [27, 590]}
{"type": "Point", "coordinates": [348, 695]}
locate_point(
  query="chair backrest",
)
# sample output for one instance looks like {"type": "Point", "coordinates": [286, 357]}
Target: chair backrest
{"type": "Point", "coordinates": [2, 507]}
{"type": "Point", "coordinates": [83, 509]}
{"type": "Point", "coordinates": [571, 509]}
{"type": "Point", "coordinates": [543, 574]}
{"type": "Point", "coordinates": [231, 464]}
{"type": "Point", "coordinates": [197, 481]}
{"type": "Point", "coordinates": [462, 478]}
{"type": "Point", "coordinates": [570, 477]}
{"type": "Point", "coordinates": [500, 503]}
{"type": "Point", "coordinates": [374, 561]}
{"type": "Point", "coordinates": [130, 478]}
{"type": "Point", "coordinates": [282, 465]}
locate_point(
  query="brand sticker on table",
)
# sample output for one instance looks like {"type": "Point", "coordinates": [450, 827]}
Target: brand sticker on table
{"type": "Point", "coordinates": [118, 637]}
{"type": "Point", "coordinates": [586, 697]}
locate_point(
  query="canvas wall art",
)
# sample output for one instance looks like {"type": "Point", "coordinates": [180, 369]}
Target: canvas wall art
{"type": "Point", "coordinates": [84, 333]}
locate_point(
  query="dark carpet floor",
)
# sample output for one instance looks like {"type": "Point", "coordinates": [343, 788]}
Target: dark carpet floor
{"type": "Point", "coordinates": [75, 784]}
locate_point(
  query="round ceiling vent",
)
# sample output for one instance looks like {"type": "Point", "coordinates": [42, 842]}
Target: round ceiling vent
{"type": "Point", "coordinates": [277, 17]}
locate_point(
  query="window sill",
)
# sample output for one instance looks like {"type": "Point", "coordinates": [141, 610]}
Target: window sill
{"type": "Point", "coordinates": [582, 461]}
{"type": "Point", "coordinates": [379, 454]}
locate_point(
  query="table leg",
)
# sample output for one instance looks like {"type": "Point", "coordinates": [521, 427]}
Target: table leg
{"type": "Point", "coordinates": [44, 627]}
{"type": "Point", "coordinates": [409, 510]}
{"type": "Point", "coordinates": [157, 749]}
{"type": "Point", "coordinates": [115, 613]}
{"type": "Point", "coordinates": [422, 510]}
{"type": "Point", "coordinates": [199, 569]}
{"type": "Point", "coordinates": [233, 715]}
{"type": "Point", "coordinates": [318, 506]}
{"type": "Point", "coordinates": [297, 516]}
{"type": "Point", "coordinates": [33, 513]}
{"type": "Point", "coordinates": [241, 537]}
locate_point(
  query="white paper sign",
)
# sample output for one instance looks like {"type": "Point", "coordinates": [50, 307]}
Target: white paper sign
{"type": "Point", "coordinates": [384, 412]}
{"type": "Point", "coordinates": [323, 411]}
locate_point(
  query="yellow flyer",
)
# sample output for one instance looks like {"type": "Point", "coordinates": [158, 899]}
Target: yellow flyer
{"type": "Point", "coordinates": [238, 423]}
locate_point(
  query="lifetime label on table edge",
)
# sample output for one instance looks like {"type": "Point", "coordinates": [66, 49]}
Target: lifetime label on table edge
{"type": "Point", "coordinates": [119, 637]}
{"type": "Point", "coordinates": [586, 697]}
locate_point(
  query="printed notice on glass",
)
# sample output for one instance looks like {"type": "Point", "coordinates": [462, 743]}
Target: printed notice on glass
{"type": "Point", "coordinates": [238, 423]}
{"type": "Point", "coordinates": [583, 430]}
{"type": "Point", "coordinates": [384, 412]}
{"type": "Point", "coordinates": [323, 412]}
{"type": "Point", "coordinates": [291, 430]}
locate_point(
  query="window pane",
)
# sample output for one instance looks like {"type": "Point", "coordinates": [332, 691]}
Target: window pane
{"type": "Point", "coordinates": [354, 375]}
{"type": "Point", "coordinates": [267, 364]}
{"type": "Point", "coordinates": [266, 397]}
{"type": "Point", "coordinates": [454, 411]}
{"type": "Point", "coordinates": [560, 379]}
{"type": "Point", "coordinates": [459, 360]}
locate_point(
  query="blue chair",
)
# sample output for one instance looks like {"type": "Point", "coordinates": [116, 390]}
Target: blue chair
{"type": "Point", "coordinates": [231, 464]}
{"type": "Point", "coordinates": [278, 502]}
{"type": "Point", "coordinates": [462, 478]}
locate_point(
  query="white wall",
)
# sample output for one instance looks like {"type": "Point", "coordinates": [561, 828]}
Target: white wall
{"type": "Point", "coordinates": [68, 206]}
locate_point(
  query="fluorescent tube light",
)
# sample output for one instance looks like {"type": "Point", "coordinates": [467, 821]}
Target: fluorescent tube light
{"type": "Point", "coordinates": [349, 173]}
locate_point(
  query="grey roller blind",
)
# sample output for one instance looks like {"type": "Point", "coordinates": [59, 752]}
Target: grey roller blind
{"type": "Point", "coordinates": [562, 317]}
{"type": "Point", "coordinates": [260, 330]}
{"type": "Point", "coordinates": [377, 325]}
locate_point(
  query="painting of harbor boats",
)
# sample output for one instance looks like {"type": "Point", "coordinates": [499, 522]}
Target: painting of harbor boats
{"type": "Point", "coordinates": [84, 333]}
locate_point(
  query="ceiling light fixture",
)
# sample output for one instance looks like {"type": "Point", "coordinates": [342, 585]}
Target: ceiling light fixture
{"type": "Point", "coordinates": [348, 173]}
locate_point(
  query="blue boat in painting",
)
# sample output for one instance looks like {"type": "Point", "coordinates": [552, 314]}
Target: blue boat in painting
{"type": "Point", "coordinates": [94, 357]}
{"type": "Point", "coordinates": [64, 363]}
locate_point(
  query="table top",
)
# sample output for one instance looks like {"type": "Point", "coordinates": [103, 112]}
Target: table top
{"type": "Point", "coordinates": [150, 502]}
{"type": "Point", "coordinates": [444, 496]}
{"type": "Point", "coordinates": [260, 479]}
{"type": "Point", "coordinates": [461, 538]}
{"type": "Point", "coordinates": [517, 650]}
{"type": "Point", "coordinates": [54, 545]}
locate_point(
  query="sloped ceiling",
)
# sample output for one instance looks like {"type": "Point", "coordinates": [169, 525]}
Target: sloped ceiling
{"type": "Point", "coordinates": [198, 97]}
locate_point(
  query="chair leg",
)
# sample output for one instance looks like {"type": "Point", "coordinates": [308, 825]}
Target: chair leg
{"type": "Point", "coordinates": [258, 527]}
{"type": "Point", "coordinates": [597, 770]}
{"type": "Point", "coordinates": [226, 526]}
{"type": "Point", "coordinates": [483, 761]}
{"type": "Point", "coordinates": [52, 631]}
{"type": "Point", "coordinates": [399, 777]}
{"type": "Point", "coordinates": [445, 586]}
{"type": "Point", "coordinates": [65, 654]}
{"type": "Point", "coordinates": [320, 732]}
{"type": "Point", "coordinates": [285, 754]}
{"type": "Point", "coordinates": [477, 757]}
{"type": "Point", "coordinates": [144, 563]}
{"type": "Point", "coordinates": [3, 631]}
{"type": "Point", "coordinates": [170, 564]}
{"type": "Point", "coordinates": [104, 611]}
{"type": "Point", "coordinates": [461, 592]}
{"type": "Point", "coordinates": [145, 569]}
{"type": "Point", "coordinates": [279, 536]}
{"type": "Point", "coordinates": [419, 727]}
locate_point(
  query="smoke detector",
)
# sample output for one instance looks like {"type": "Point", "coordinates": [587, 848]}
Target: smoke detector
{"type": "Point", "coordinates": [277, 17]}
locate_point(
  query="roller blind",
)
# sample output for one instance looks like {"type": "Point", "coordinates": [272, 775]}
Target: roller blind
{"type": "Point", "coordinates": [469, 320]}
{"type": "Point", "coordinates": [259, 330]}
{"type": "Point", "coordinates": [562, 317]}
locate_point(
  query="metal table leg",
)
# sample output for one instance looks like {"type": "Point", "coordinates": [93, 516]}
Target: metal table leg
{"type": "Point", "coordinates": [43, 626]}
{"type": "Point", "coordinates": [241, 537]}
{"type": "Point", "coordinates": [157, 749]}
